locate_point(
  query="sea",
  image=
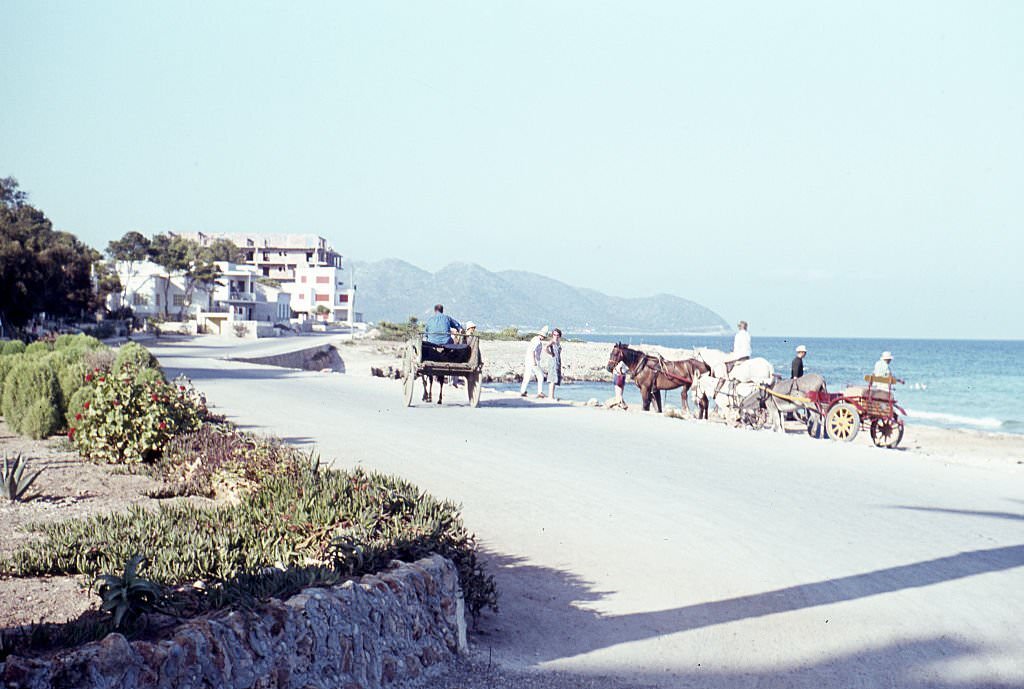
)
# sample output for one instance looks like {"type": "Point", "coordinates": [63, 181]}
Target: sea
{"type": "Point", "coordinates": [965, 384]}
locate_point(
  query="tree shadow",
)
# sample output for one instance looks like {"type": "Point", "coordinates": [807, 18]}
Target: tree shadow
{"type": "Point", "coordinates": [551, 599]}
{"type": "Point", "coordinates": [246, 373]}
{"type": "Point", "coordinates": [968, 513]}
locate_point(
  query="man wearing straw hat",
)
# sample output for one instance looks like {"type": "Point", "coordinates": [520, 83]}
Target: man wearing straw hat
{"type": "Point", "coordinates": [531, 363]}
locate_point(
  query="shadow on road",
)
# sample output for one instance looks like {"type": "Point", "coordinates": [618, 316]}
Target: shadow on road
{"type": "Point", "coordinates": [546, 595]}
{"type": "Point", "coordinates": [968, 513]}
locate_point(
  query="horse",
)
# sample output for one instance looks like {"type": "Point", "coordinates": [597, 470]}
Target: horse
{"type": "Point", "coordinates": [652, 374]}
{"type": "Point", "coordinates": [792, 387]}
{"type": "Point", "coordinates": [756, 370]}
{"type": "Point", "coordinates": [428, 394]}
{"type": "Point", "coordinates": [738, 402]}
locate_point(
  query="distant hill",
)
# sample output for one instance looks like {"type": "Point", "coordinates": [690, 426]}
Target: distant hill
{"type": "Point", "coordinates": [393, 290]}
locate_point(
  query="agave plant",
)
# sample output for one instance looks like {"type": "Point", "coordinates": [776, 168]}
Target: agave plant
{"type": "Point", "coordinates": [14, 481]}
{"type": "Point", "coordinates": [129, 596]}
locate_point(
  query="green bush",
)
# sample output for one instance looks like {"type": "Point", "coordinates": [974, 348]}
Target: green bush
{"type": "Point", "coordinates": [39, 347]}
{"type": "Point", "coordinates": [76, 342]}
{"type": "Point", "coordinates": [341, 522]}
{"type": "Point", "coordinates": [7, 362]}
{"type": "Point", "coordinates": [13, 347]}
{"type": "Point", "coordinates": [79, 402]}
{"type": "Point", "coordinates": [31, 401]}
{"type": "Point", "coordinates": [400, 331]}
{"type": "Point", "coordinates": [134, 356]}
{"type": "Point", "coordinates": [131, 417]}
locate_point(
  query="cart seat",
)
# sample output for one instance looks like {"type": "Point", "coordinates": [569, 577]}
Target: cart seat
{"type": "Point", "coordinates": [449, 353]}
{"type": "Point", "coordinates": [877, 393]}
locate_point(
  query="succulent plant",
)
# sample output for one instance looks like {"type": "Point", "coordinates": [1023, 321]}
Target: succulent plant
{"type": "Point", "coordinates": [14, 483]}
{"type": "Point", "coordinates": [128, 596]}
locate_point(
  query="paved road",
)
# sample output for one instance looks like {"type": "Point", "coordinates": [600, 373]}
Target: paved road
{"type": "Point", "coordinates": [672, 553]}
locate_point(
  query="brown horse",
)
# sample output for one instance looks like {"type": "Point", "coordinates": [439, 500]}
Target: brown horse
{"type": "Point", "coordinates": [652, 374]}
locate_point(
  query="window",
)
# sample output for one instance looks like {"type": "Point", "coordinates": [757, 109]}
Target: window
{"type": "Point", "coordinates": [323, 279]}
{"type": "Point", "coordinates": [323, 297]}
{"type": "Point", "coordinates": [303, 279]}
{"type": "Point", "coordinates": [139, 300]}
{"type": "Point", "coordinates": [179, 299]}
{"type": "Point", "coordinates": [342, 298]}
{"type": "Point", "coordinates": [158, 300]}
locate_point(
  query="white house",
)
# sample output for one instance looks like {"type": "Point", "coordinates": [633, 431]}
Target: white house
{"type": "Point", "coordinates": [305, 265]}
{"type": "Point", "coordinates": [152, 292]}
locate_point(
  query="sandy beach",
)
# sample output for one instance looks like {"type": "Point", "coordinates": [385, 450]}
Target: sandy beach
{"type": "Point", "coordinates": [655, 551]}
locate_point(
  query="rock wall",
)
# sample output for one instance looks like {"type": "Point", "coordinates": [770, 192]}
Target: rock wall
{"type": "Point", "coordinates": [374, 632]}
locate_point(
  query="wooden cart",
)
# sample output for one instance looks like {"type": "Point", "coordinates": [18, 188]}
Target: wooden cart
{"type": "Point", "coordinates": [414, 368]}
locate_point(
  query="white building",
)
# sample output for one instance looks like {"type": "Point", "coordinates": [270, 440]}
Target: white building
{"type": "Point", "coordinates": [153, 293]}
{"type": "Point", "coordinates": [306, 267]}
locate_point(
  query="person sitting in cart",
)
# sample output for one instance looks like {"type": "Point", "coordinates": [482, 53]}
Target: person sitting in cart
{"type": "Point", "coordinates": [882, 369]}
{"type": "Point", "coordinates": [440, 326]}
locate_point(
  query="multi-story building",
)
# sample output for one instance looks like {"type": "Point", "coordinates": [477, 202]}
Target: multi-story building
{"type": "Point", "coordinates": [305, 266]}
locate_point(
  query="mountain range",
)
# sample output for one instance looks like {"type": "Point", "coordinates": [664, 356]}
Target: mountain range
{"type": "Point", "coordinates": [392, 290]}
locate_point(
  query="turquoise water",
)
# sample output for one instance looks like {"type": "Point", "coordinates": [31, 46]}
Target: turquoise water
{"type": "Point", "coordinates": [970, 384]}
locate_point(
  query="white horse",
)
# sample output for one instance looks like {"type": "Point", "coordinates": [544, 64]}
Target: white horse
{"type": "Point", "coordinates": [756, 370]}
{"type": "Point", "coordinates": [727, 394]}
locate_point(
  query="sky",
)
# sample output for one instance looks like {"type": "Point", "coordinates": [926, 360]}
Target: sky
{"type": "Point", "coordinates": [817, 169]}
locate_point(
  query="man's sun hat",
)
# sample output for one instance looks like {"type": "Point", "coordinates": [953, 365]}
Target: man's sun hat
{"type": "Point", "coordinates": [470, 325]}
{"type": "Point", "coordinates": [543, 331]}
{"type": "Point", "coordinates": [801, 348]}
{"type": "Point", "coordinates": [886, 355]}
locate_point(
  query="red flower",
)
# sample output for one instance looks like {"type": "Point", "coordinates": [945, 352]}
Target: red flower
{"type": "Point", "coordinates": [86, 405]}
{"type": "Point", "coordinates": [103, 379]}
{"type": "Point", "coordinates": [117, 403]}
{"type": "Point", "coordinates": [78, 417]}
{"type": "Point", "coordinates": [182, 388]}
{"type": "Point", "coordinates": [88, 377]}
{"type": "Point", "coordinates": [71, 432]}
{"type": "Point", "coordinates": [162, 426]}
{"type": "Point", "coordinates": [154, 397]}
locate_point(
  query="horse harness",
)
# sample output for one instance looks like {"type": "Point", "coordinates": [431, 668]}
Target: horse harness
{"type": "Point", "coordinates": [658, 367]}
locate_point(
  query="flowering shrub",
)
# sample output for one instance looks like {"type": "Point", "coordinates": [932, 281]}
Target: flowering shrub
{"type": "Point", "coordinates": [129, 417]}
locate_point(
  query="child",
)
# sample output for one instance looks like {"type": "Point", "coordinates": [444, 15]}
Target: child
{"type": "Point", "coordinates": [620, 383]}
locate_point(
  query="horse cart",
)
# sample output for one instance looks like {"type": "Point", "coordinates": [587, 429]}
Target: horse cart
{"type": "Point", "coordinates": [840, 415]}
{"type": "Point", "coordinates": [425, 361]}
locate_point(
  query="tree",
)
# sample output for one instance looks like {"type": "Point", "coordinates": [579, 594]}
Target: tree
{"type": "Point", "coordinates": [173, 254]}
{"type": "Point", "coordinates": [40, 269]}
{"type": "Point", "coordinates": [130, 250]}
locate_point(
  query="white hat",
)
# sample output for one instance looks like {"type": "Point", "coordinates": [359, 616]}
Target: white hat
{"type": "Point", "coordinates": [801, 348]}
{"type": "Point", "coordinates": [543, 331]}
{"type": "Point", "coordinates": [887, 355]}
{"type": "Point", "coordinates": [470, 325]}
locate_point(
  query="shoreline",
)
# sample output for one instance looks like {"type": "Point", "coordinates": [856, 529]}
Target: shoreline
{"type": "Point", "coordinates": [588, 361]}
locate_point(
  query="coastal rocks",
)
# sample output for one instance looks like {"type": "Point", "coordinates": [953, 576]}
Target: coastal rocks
{"type": "Point", "coordinates": [386, 372]}
{"type": "Point", "coordinates": [368, 633]}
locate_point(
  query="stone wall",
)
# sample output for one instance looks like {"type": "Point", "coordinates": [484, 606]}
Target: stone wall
{"type": "Point", "coordinates": [377, 631]}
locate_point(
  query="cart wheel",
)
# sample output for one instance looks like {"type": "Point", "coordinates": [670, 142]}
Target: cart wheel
{"type": "Point", "coordinates": [473, 389]}
{"type": "Point", "coordinates": [815, 425]}
{"type": "Point", "coordinates": [409, 375]}
{"type": "Point", "coordinates": [842, 422]}
{"type": "Point", "coordinates": [887, 432]}
{"type": "Point", "coordinates": [408, 387]}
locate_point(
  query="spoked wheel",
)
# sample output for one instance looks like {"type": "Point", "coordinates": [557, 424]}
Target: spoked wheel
{"type": "Point", "coordinates": [473, 388]}
{"type": "Point", "coordinates": [815, 425]}
{"type": "Point", "coordinates": [755, 418]}
{"type": "Point", "coordinates": [842, 422]}
{"type": "Point", "coordinates": [408, 387]}
{"type": "Point", "coordinates": [409, 374]}
{"type": "Point", "coordinates": [887, 432]}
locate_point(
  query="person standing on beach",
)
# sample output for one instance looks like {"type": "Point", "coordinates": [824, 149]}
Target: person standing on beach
{"type": "Point", "coordinates": [619, 380]}
{"type": "Point", "coordinates": [531, 363]}
{"type": "Point", "coordinates": [439, 327]}
{"type": "Point", "coordinates": [554, 349]}
{"type": "Point", "coordinates": [797, 368]}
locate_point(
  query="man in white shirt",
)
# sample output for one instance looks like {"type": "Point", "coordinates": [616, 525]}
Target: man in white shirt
{"type": "Point", "coordinates": [531, 363]}
{"type": "Point", "coordinates": [740, 343]}
{"type": "Point", "coordinates": [882, 369]}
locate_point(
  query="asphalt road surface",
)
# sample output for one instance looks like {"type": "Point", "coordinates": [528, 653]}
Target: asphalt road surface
{"type": "Point", "coordinates": [674, 553]}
